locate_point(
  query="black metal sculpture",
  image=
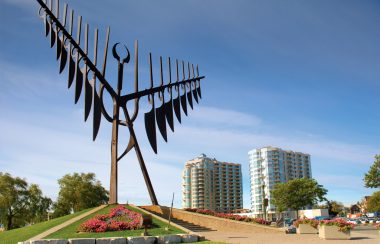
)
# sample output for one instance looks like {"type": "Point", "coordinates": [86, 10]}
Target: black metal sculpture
{"type": "Point", "coordinates": [85, 73]}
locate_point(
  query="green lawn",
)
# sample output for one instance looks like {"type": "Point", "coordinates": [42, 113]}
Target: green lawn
{"type": "Point", "coordinates": [23, 234]}
{"type": "Point", "coordinates": [71, 230]}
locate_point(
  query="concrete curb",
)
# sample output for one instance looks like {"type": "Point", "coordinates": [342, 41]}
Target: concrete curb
{"type": "Point", "coordinates": [178, 238]}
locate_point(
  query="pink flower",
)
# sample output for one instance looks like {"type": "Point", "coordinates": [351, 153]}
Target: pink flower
{"type": "Point", "coordinates": [119, 218]}
{"type": "Point", "coordinates": [340, 223]}
{"type": "Point", "coordinates": [228, 216]}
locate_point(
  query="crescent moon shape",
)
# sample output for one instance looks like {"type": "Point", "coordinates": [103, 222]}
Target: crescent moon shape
{"type": "Point", "coordinates": [114, 52]}
{"type": "Point", "coordinates": [126, 60]}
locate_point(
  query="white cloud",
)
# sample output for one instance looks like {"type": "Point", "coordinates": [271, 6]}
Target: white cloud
{"type": "Point", "coordinates": [215, 116]}
{"type": "Point", "coordinates": [232, 140]}
{"type": "Point", "coordinates": [43, 146]}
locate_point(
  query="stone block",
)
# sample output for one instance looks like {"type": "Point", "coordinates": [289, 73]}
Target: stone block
{"type": "Point", "coordinates": [187, 238]}
{"type": "Point", "coordinates": [306, 229]}
{"type": "Point", "coordinates": [169, 239]}
{"type": "Point", "coordinates": [82, 241]}
{"type": "Point", "coordinates": [333, 233]}
{"type": "Point", "coordinates": [58, 241]}
{"type": "Point", "coordinates": [111, 240]}
{"type": "Point", "coordinates": [201, 238]}
{"type": "Point", "coordinates": [141, 240]}
{"type": "Point", "coordinates": [39, 242]}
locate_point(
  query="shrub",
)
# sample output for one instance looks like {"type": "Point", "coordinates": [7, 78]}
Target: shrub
{"type": "Point", "coordinates": [313, 222]}
{"type": "Point", "coordinates": [119, 218]}
{"type": "Point", "coordinates": [228, 216]}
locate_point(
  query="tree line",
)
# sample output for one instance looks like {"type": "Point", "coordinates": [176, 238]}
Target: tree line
{"type": "Point", "coordinates": [22, 203]}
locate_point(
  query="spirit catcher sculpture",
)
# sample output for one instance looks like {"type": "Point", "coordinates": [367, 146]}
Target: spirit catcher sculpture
{"type": "Point", "coordinates": [92, 81]}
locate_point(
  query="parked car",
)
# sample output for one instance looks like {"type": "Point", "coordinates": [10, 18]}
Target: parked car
{"type": "Point", "coordinates": [322, 218]}
{"type": "Point", "coordinates": [364, 220]}
{"type": "Point", "coordinates": [289, 222]}
{"type": "Point", "coordinates": [353, 221]}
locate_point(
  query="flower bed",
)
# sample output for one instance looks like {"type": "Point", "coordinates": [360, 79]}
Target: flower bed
{"type": "Point", "coordinates": [228, 216]}
{"type": "Point", "coordinates": [119, 218]}
{"type": "Point", "coordinates": [312, 222]}
{"type": "Point", "coordinates": [342, 225]}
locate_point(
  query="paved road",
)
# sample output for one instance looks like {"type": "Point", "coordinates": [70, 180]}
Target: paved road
{"type": "Point", "coordinates": [366, 230]}
{"type": "Point", "coordinates": [365, 235]}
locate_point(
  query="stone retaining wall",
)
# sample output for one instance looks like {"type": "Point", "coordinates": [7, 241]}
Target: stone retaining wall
{"type": "Point", "coordinates": [179, 238]}
{"type": "Point", "coordinates": [212, 222]}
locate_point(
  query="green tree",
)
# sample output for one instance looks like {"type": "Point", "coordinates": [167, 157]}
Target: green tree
{"type": "Point", "coordinates": [13, 200]}
{"type": "Point", "coordinates": [297, 194]}
{"type": "Point", "coordinates": [372, 177]}
{"type": "Point", "coordinates": [78, 192]}
{"type": "Point", "coordinates": [19, 203]}
{"type": "Point", "coordinates": [373, 204]}
{"type": "Point", "coordinates": [334, 207]}
{"type": "Point", "coordinates": [38, 205]}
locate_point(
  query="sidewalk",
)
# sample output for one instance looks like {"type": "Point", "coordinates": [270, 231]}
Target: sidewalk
{"type": "Point", "coordinates": [264, 238]}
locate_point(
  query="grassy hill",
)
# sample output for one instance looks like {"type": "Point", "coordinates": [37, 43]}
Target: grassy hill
{"type": "Point", "coordinates": [23, 234]}
{"type": "Point", "coordinates": [71, 230]}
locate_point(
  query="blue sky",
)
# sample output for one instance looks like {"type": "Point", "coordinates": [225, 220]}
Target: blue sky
{"type": "Point", "coordinates": [300, 75]}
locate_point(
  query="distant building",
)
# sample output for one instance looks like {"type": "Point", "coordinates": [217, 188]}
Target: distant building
{"type": "Point", "coordinates": [210, 184]}
{"type": "Point", "coordinates": [354, 209]}
{"type": "Point", "coordinates": [269, 166]}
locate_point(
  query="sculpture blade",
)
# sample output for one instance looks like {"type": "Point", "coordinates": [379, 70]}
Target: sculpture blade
{"type": "Point", "coordinates": [150, 128]}
{"type": "Point", "coordinates": [78, 83]}
{"type": "Point", "coordinates": [63, 60]}
{"type": "Point", "coordinates": [199, 91]}
{"type": "Point", "coordinates": [47, 27]}
{"type": "Point", "coordinates": [71, 72]}
{"type": "Point", "coordinates": [161, 123]}
{"type": "Point", "coordinates": [195, 95]}
{"type": "Point", "coordinates": [52, 36]}
{"type": "Point", "coordinates": [97, 115]}
{"type": "Point", "coordinates": [169, 114]}
{"type": "Point", "coordinates": [177, 108]}
{"type": "Point", "coordinates": [183, 103]}
{"type": "Point", "coordinates": [190, 98]}
{"type": "Point", "coordinates": [59, 47]}
{"type": "Point", "coordinates": [87, 98]}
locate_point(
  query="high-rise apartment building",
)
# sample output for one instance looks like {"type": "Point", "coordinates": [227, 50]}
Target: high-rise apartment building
{"type": "Point", "coordinates": [269, 166]}
{"type": "Point", "coordinates": [210, 184]}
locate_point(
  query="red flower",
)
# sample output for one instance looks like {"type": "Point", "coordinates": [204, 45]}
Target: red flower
{"type": "Point", "coordinates": [228, 216]}
{"type": "Point", "coordinates": [119, 218]}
